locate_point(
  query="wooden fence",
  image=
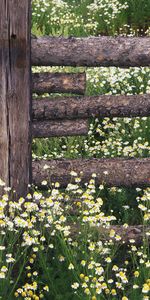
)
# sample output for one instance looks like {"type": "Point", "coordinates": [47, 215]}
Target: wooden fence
{"type": "Point", "coordinates": [21, 118]}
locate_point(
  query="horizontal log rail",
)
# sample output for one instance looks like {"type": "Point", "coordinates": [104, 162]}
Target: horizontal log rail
{"type": "Point", "coordinates": [91, 51]}
{"type": "Point", "coordinates": [74, 83]}
{"type": "Point", "coordinates": [132, 232]}
{"type": "Point", "coordinates": [113, 172]}
{"type": "Point", "coordinates": [59, 128]}
{"type": "Point", "coordinates": [84, 107]}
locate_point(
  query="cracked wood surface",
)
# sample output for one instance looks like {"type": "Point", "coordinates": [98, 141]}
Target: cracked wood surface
{"type": "Point", "coordinates": [15, 142]}
{"type": "Point", "coordinates": [59, 128]}
{"type": "Point", "coordinates": [94, 106]}
{"type": "Point", "coordinates": [74, 83]}
{"type": "Point", "coordinates": [91, 51]}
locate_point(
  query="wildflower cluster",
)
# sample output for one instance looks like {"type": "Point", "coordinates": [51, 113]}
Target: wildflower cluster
{"type": "Point", "coordinates": [98, 17]}
{"type": "Point", "coordinates": [70, 231]}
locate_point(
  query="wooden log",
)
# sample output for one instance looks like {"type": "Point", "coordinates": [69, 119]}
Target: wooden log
{"type": "Point", "coordinates": [85, 107]}
{"type": "Point", "coordinates": [15, 100]}
{"type": "Point", "coordinates": [74, 83]}
{"type": "Point", "coordinates": [113, 172]}
{"type": "Point", "coordinates": [59, 128]}
{"type": "Point", "coordinates": [91, 51]}
{"type": "Point", "coordinates": [132, 232]}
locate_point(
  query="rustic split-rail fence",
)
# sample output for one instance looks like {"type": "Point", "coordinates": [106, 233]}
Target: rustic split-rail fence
{"type": "Point", "coordinates": [22, 118]}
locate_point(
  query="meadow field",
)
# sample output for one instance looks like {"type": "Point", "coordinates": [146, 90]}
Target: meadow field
{"type": "Point", "coordinates": [59, 244]}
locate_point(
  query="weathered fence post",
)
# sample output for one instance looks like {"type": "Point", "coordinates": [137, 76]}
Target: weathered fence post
{"type": "Point", "coordinates": [15, 99]}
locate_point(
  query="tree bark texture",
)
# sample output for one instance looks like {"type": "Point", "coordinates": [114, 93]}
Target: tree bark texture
{"type": "Point", "coordinates": [85, 107]}
{"type": "Point", "coordinates": [15, 100]}
{"type": "Point", "coordinates": [91, 51]}
{"type": "Point", "coordinates": [74, 83]}
{"type": "Point", "coordinates": [59, 128]}
{"type": "Point", "coordinates": [112, 172]}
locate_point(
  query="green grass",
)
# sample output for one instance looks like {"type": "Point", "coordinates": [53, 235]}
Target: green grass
{"type": "Point", "coordinates": [87, 17]}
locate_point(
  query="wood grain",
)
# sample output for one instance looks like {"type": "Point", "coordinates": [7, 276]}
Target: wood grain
{"type": "Point", "coordinates": [15, 100]}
